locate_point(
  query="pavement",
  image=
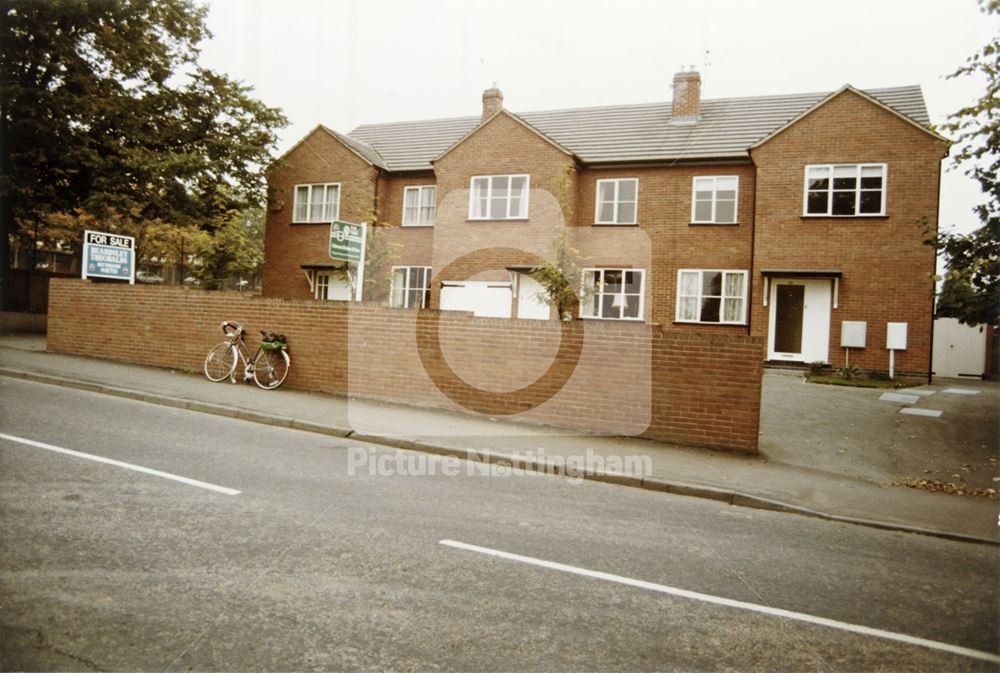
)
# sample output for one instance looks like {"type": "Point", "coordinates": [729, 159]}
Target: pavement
{"type": "Point", "coordinates": [828, 452]}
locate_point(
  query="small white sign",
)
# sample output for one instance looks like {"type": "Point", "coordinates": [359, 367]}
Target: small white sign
{"type": "Point", "coordinates": [895, 336]}
{"type": "Point", "coordinates": [853, 333]}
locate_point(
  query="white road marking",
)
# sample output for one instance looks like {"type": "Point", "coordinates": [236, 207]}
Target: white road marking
{"type": "Point", "coordinates": [118, 463]}
{"type": "Point", "coordinates": [961, 391]}
{"type": "Point", "coordinates": [898, 397]}
{"type": "Point", "coordinates": [728, 602]}
{"type": "Point", "coordinates": [913, 411]}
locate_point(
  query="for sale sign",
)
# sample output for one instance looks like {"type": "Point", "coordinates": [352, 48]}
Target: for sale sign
{"type": "Point", "coordinates": [108, 256]}
{"type": "Point", "coordinates": [347, 241]}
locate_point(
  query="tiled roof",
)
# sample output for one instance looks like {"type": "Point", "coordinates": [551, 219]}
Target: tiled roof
{"type": "Point", "coordinates": [364, 149]}
{"type": "Point", "coordinates": [726, 128]}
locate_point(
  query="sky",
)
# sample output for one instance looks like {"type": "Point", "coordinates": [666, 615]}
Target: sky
{"type": "Point", "coordinates": [342, 63]}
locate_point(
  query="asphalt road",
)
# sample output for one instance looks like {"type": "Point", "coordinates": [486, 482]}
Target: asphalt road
{"type": "Point", "coordinates": [311, 568]}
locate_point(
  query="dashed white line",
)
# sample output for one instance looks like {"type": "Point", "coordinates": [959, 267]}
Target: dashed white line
{"type": "Point", "coordinates": [118, 463]}
{"type": "Point", "coordinates": [728, 602]}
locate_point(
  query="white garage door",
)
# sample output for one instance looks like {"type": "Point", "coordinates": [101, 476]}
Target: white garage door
{"type": "Point", "coordinates": [959, 350]}
{"type": "Point", "coordinates": [484, 298]}
{"type": "Point", "coordinates": [529, 306]}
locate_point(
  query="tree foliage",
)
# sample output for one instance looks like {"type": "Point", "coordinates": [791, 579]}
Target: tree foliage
{"type": "Point", "coordinates": [562, 278]}
{"type": "Point", "coordinates": [235, 249]}
{"type": "Point", "coordinates": [971, 291]}
{"type": "Point", "coordinates": [380, 254]}
{"type": "Point", "coordinates": [104, 110]}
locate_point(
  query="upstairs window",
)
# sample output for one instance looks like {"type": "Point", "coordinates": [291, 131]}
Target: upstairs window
{"type": "Point", "coordinates": [613, 293]}
{"type": "Point", "coordinates": [714, 199]}
{"type": "Point", "coordinates": [418, 206]}
{"type": "Point", "coordinates": [317, 203]}
{"type": "Point", "coordinates": [708, 296]}
{"type": "Point", "coordinates": [499, 197]}
{"type": "Point", "coordinates": [616, 201]}
{"type": "Point", "coordinates": [845, 190]}
{"type": "Point", "coordinates": [411, 286]}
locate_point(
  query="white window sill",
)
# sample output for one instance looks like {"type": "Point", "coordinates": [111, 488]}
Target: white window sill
{"type": "Point", "coordinates": [597, 317]}
{"type": "Point", "coordinates": [717, 324]}
{"type": "Point", "coordinates": [497, 219]}
{"type": "Point", "coordinates": [713, 224]}
{"type": "Point", "coordinates": [813, 216]}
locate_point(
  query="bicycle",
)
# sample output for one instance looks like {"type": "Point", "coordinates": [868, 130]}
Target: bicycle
{"type": "Point", "coordinates": [268, 367]}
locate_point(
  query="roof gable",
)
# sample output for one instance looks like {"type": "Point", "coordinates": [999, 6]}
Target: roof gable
{"type": "Point", "coordinates": [365, 152]}
{"type": "Point", "coordinates": [839, 92]}
{"type": "Point", "coordinates": [493, 117]}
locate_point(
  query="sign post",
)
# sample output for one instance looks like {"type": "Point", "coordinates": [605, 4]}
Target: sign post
{"type": "Point", "coordinates": [108, 256]}
{"type": "Point", "coordinates": [347, 243]}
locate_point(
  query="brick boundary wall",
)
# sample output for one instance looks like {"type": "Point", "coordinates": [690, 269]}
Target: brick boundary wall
{"type": "Point", "coordinates": [697, 389]}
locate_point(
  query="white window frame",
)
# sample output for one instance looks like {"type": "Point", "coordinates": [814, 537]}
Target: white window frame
{"type": "Point", "coordinates": [617, 201]}
{"type": "Point", "coordinates": [322, 283]}
{"type": "Point", "coordinates": [722, 304]}
{"type": "Point", "coordinates": [424, 297]}
{"type": "Point", "coordinates": [311, 186]}
{"type": "Point", "coordinates": [489, 195]}
{"type": "Point", "coordinates": [599, 297]}
{"type": "Point", "coordinates": [419, 189]}
{"type": "Point", "coordinates": [857, 190]}
{"type": "Point", "coordinates": [715, 199]}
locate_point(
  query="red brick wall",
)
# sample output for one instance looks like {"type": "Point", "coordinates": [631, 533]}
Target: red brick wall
{"type": "Point", "coordinates": [500, 147]}
{"type": "Point", "coordinates": [664, 239]}
{"type": "Point", "coordinates": [413, 245]}
{"type": "Point", "coordinates": [318, 158]}
{"type": "Point", "coordinates": [884, 261]}
{"type": "Point", "coordinates": [629, 378]}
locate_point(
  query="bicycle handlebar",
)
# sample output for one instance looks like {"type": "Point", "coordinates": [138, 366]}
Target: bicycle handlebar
{"type": "Point", "coordinates": [230, 328]}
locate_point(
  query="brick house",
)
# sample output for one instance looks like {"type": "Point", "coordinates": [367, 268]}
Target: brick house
{"type": "Point", "coordinates": [783, 217]}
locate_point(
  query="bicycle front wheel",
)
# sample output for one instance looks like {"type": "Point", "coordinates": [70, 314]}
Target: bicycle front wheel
{"type": "Point", "coordinates": [220, 362]}
{"type": "Point", "coordinates": [270, 368]}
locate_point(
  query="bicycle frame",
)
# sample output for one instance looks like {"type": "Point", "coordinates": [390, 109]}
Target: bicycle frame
{"type": "Point", "coordinates": [243, 354]}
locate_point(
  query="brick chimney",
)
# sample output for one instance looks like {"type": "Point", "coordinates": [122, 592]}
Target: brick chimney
{"type": "Point", "coordinates": [687, 97]}
{"type": "Point", "coordinates": [492, 102]}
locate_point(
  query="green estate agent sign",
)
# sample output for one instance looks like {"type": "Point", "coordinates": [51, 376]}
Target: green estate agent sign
{"type": "Point", "coordinates": [347, 241]}
{"type": "Point", "coordinates": [108, 256]}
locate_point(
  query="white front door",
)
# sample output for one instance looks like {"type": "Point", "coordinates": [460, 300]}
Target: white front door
{"type": "Point", "coordinates": [483, 298]}
{"type": "Point", "coordinates": [799, 329]}
{"type": "Point", "coordinates": [333, 286]}
{"type": "Point", "coordinates": [529, 306]}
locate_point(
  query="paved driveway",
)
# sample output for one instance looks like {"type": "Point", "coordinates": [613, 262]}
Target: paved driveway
{"type": "Point", "coordinates": [852, 432]}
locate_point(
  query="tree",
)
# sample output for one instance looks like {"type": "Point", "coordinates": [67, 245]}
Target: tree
{"type": "Point", "coordinates": [104, 109]}
{"type": "Point", "coordinates": [236, 248]}
{"type": "Point", "coordinates": [562, 278]}
{"type": "Point", "coordinates": [380, 253]}
{"type": "Point", "coordinates": [971, 291]}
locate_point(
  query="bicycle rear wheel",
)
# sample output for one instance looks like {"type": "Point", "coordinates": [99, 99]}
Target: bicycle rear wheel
{"type": "Point", "coordinates": [270, 368]}
{"type": "Point", "coordinates": [220, 362]}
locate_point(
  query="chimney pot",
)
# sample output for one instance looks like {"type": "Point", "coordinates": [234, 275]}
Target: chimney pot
{"type": "Point", "coordinates": [492, 102]}
{"type": "Point", "coordinates": [686, 104]}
